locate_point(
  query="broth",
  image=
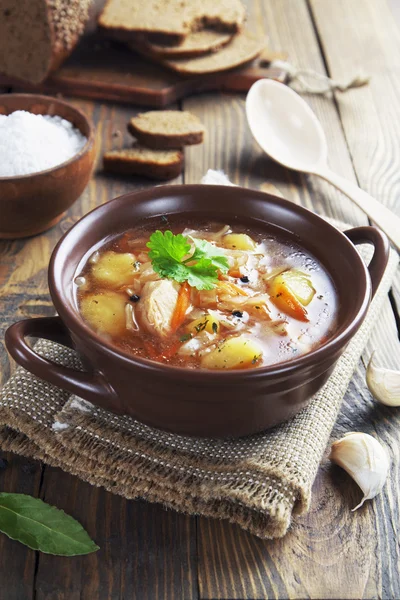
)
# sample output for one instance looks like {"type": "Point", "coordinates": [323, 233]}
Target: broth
{"type": "Point", "coordinates": [271, 302]}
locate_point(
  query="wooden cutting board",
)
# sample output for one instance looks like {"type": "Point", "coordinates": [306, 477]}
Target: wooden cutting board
{"type": "Point", "coordinates": [109, 71]}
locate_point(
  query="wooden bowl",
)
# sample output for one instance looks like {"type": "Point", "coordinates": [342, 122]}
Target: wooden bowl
{"type": "Point", "coordinates": [30, 204]}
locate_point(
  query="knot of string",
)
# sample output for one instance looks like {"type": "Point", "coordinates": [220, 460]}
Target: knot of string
{"type": "Point", "coordinates": [307, 80]}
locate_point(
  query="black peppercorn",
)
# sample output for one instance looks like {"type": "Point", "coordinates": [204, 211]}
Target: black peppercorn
{"type": "Point", "coordinates": [237, 313]}
{"type": "Point", "coordinates": [134, 298]}
{"type": "Point", "coordinates": [244, 279]}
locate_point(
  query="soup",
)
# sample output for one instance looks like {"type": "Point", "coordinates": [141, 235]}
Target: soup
{"type": "Point", "coordinates": [207, 295]}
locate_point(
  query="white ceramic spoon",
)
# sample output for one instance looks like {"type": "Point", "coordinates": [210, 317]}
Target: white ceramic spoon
{"type": "Point", "coordinates": [289, 132]}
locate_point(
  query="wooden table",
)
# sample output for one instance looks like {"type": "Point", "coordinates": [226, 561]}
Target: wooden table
{"type": "Point", "coordinates": [147, 552]}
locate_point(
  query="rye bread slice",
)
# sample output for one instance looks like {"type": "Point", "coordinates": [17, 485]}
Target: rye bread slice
{"type": "Point", "coordinates": [243, 48]}
{"type": "Point", "coordinates": [167, 129]}
{"type": "Point", "coordinates": [138, 160]}
{"type": "Point", "coordinates": [37, 35]}
{"type": "Point", "coordinates": [171, 19]}
{"type": "Point", "coordinates": [194, 44]}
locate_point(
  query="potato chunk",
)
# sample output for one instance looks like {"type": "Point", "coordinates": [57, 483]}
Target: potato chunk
{"type": "Point", "coordinates": [115, 269]}
{"type": "Point", "coordinates": [291, 291]}
{"type": "Point", "coordinates": [300, 284]}
{"type": "Point", "coordinates": [238, 241]}
{"type": "Point", "coordinates": [105, 311]}
{"type": "Point", "coordinates": [204, 323]}
{"type": "Point", "coordinates": [234, 353]}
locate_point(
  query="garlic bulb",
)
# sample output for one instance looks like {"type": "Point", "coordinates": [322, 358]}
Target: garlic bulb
{"type": "Point", "coordinates": [384, 384]}
{"type": "Point", "coordinates": [364, 459]}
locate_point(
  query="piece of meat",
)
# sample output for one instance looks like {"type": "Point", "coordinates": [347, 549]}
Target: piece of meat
{"type": "Point", "coordinates": [157, 305]}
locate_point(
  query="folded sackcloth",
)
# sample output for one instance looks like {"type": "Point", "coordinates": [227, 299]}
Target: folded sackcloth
{"type": "Point", "coordinates": [258, 482]}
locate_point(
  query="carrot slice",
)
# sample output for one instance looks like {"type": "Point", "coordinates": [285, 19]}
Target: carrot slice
{"type": "Point", "coordinates": [181, 307]}
{"type": "Point", "coordinates": [288, 303]}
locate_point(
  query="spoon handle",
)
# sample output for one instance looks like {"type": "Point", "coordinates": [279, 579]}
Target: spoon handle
{"type": "Point", "coordinates": [377, 212]}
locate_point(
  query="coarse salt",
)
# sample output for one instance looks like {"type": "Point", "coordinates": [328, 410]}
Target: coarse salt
{"type": "Point", "coordinates": [32, 143]}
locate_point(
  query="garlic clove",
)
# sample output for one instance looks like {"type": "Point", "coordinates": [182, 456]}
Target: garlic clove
{"type": "Point", "coordinates": [384, 384]}
{"type": "Point", "coordinates": [364, 459]}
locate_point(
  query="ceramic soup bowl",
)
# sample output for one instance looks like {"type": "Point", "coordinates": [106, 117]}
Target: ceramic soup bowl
{"type": "Point", "coordinates": [187, 401]}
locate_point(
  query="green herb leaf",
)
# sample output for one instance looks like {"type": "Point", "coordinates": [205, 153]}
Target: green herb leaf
{"type": "Point", "coordinates": [167, 246]}
{"type": "Point", "coordinates": [204, 249]}
{"type": "Point", "coordinates": [42, 527]}
{"type": "Point", "coordinates": [200, 269]}
{"type": "Point", "coordinates": [185, 337]}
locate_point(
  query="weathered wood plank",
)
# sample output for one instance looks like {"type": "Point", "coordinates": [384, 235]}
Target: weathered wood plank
{"type": "Point", "coordinates": [330, 539]}
{"type": "Point", "coordinates": [18, 475]}
{"type": "Point", "coordinates": [145, 553]}
{"type": "Point", "coordinates": [372, 129]}
{"type": "Point", "coordinates": [369, 114]}
{"type": "Point", "coordinates": [17, 563]}
{"type": "Point", "coordinates": [361, 413]}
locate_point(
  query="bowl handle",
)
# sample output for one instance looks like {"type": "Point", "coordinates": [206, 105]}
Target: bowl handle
{"type": "Point", "coordinates": [380, 242]}
{"type": "Point", "coordinates": [89, 385]}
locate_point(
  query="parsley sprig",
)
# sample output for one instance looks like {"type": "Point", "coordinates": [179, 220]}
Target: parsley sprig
{"type": "Point", "coordinates": [172, 257]}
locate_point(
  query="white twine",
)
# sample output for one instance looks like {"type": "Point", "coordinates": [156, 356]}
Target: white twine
{"type": "Point", "coordinates": [312, 82]}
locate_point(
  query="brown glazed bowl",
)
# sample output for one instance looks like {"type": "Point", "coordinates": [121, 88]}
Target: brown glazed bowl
{"type": "Point", "coordinates": [199, 402]}
{"type": "Point", "coordinates": [30, 204]}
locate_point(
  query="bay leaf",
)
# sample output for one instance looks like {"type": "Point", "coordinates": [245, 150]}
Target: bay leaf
{"type": "Point", "coordinates": [43, 527]}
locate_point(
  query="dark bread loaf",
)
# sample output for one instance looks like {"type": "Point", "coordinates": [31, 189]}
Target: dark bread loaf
{"type": "Point", "coordinates": [37, 35]}
{"type": "Point", "coordinates": [137, 160]}
{"type": "Point", "coordinates": [166, 129]}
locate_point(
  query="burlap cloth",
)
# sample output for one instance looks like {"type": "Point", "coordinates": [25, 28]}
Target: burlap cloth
{"type": "Point", "coordinates": [257, 481]}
